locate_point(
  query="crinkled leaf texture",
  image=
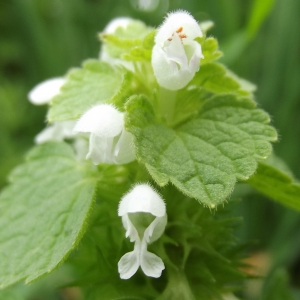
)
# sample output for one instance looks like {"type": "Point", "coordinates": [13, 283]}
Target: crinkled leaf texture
{"type": "Point", "coordinates": [205, 156]}
{"type": "Point", "coordinates": [95, 83]}
{"type": "Point", "coordinates": [277, 185]}
{"type": "Point", "coordinates": [43, 213]}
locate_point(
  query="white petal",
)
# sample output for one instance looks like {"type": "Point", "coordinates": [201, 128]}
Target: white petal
{"type": "Point", "coordinates": [100, 149]}
{"type": "Point", "coordinates": [124, 151]}
{"type": "Point", "coordinates": [151, 264]}
{"type": "Point", "coordinates": [142, 198]}
{"type": "Point", "coordinates": [103, 120]}
{"type": "Point", "coordinates": [173, 22]}
{"type": "Point", "coordinates": [155, 229]}
{"type": "Point", "coordinates": [130, 262]}
{"type": "Point", "coordinates": [175, 52]}
{"type": "Point", "coordinates": [131, 231]}
{"type": "Point", "coordinates": [46, 90]}
{"type": "Point", "coordinates": [167, 73]}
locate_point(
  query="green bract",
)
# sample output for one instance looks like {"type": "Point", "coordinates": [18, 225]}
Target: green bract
{"type": "Point", "coordinates": [43, 213]}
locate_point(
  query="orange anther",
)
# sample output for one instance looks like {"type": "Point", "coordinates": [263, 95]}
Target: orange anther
{"type": "Point", "coordinates": [179, 29]}
{"type": "Point", "coordinates": [170, 39]}
{"type": "Point", "coordinates": [182, 36]}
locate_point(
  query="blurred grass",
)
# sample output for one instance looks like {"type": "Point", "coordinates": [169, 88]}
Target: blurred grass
{"type": "Point", "coordinates": [261, 40]}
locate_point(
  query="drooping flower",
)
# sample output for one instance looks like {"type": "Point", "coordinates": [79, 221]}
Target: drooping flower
{"type": "Point", "coordinates": [109, 141]}
{"type": "Point", "coordinates": [176, 55]}
{"type": "Point", "coordinates": [144, 217]}
{"type": "Point", "coordinates": [46, 90]}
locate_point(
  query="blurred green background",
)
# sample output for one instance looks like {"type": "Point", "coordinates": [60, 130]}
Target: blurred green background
{"type": "Point", "coordinates": [261, 42]}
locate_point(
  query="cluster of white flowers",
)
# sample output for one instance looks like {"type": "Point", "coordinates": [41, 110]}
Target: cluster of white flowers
{"type": "Point", "coordinates": [175, 60]}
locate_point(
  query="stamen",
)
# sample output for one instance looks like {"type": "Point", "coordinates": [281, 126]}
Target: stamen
{"type": "Point", "coordinates": [179, 29]}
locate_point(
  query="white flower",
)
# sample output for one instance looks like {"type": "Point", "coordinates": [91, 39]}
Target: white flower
{"type": "Point", "coordinates": [58, 131]}
{"type": "Point", "coordinates": [144, 217]}
{"type": "Point", "coordinates": [176, 55]}
{"type": "Point", "coordinates": [46, 90]}
{"type": "Point", "coordinates": [109, 141]}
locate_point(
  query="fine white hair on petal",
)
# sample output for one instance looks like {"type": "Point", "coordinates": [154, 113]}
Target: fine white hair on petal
{"type": "Point", "coordinates": [104, 120]}
{"type": "Point", "coordinates": [142, 198]}
{"type": "Point", "coordinates": [46, 90]}
{"type": "Point", "coordinates": [115, 23]}
{"type": "Point", "coordinates": [173, 22]}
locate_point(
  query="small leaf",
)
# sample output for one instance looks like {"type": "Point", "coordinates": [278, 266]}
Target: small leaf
{"type": "Point", "coordinates": [215, 78]}
{"type": "Point", "coordinates": [95, 83]}
{"type": "Point", "coordinates": [277, 185]}
{"type": "Point", "coordinates": [43, 213]}
{"type": "Point", "coordinates": [135, 35]}
{"type": "Point", "coordinates": [205, 156]}
{"type": "Point", "coordinates": [210, 50]}
{"type": "Point", "coordinates": [143, 52]}
{"type": "Point", "coordinates": [148, 42]}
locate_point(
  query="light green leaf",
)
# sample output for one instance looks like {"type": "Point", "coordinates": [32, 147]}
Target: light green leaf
{"type": "Point", "coordinates": [142, 52]}
{"type": "Point", "coordinates": [95, 83]}
{"type": "Point", "coordinates": [210, 50]}
{"type": "Point", "coordinates": [205, 156]}
{"type": "Point", "coordinates": [215, 78]}
{"type": "Point", "coordinates": [135, 35]}
{"type": "Point", "coordinates": [43, 213]}
{"type": "Point", "coordinates": [277, 185]}
{"type": "Point", "coordinates": [137, 54]}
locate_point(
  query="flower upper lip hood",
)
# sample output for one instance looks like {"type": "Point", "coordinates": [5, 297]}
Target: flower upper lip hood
{"type": "Point", "coordinates": [182, 23]}
{"type": "Point", "coordinates": [142, 199]}
{"type": "Point", "coordinates": [176, 55]}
